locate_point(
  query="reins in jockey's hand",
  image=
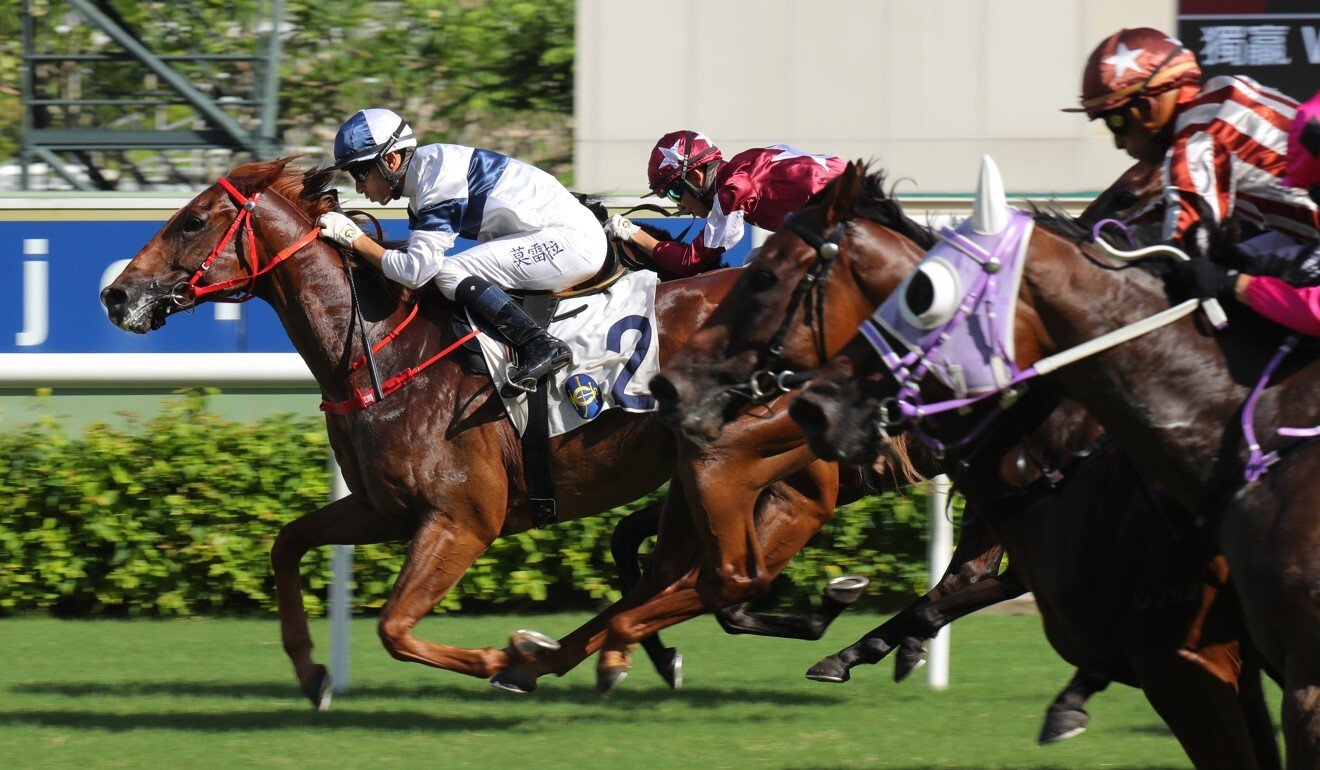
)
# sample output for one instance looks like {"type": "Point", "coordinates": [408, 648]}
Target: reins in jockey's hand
{"type": "Point", "coordinates": [630, 260]}
{"type": "Point", "coordinates": [355, 308]}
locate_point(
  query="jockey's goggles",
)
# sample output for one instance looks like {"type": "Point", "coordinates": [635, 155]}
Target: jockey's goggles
{"type": "Point", "coordinates": [1118, 121]}
{"type": "Point", "coordinates": [359, 171]}
{"type": "Point", "coordinates": [674, 192]}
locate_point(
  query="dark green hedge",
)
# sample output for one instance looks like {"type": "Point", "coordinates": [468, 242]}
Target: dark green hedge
{"type": "Point", "coordinates": [175, 515]}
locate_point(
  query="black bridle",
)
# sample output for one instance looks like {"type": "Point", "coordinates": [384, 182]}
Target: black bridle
{"type": "Point", "coordinates": [765, 381]}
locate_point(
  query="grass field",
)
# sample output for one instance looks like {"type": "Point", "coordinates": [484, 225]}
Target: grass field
{"type": "Point", "coordinates": [219, 693]}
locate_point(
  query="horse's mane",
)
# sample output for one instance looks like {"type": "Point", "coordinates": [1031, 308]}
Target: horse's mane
{"type": "Point", "coordinates": [1052, 217]}
{"type": "Point", "coordinates": [875, 204]}
{"type": "Point", "coordinates": [312, 192]}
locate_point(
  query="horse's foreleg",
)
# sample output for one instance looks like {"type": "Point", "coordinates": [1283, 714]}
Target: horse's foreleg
{"type": "Point", "coordinates": [674, 564]}
{"type": "Point", "coordinates": [440, 552]}
{"type": "Point", "coordinates": [1192, 691]}
{"type": "Point", "coordinates": [722, 505]}
{"type": "Point", "coordinates": [976, 558]}
{"type": "Point", "coordinates": [970, 583]}
{"type": "Point", "coordinates": [1066, 717]}
{"type": "Point", "coordinates": [1251, 699]}
{"type": "Point", "coordinates": [346, 521]}
{"type": "Point", "coordinates": [787, 516]}
{"type": "Point", "coordinates": [839, 594]}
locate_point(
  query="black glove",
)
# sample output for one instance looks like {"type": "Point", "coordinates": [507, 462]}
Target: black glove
{"type": "Point", "coordinates": [1298, 265]}
{"type": "Point", "coordinates": [1202, 278]}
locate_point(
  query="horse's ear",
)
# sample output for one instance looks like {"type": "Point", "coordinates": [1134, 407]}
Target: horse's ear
{"type": "Point", "coordinates": [255, 177]}
{"type": "Point", "coordinates": [844, 195]}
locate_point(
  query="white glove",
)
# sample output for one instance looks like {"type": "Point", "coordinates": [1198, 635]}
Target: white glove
{"type": "Point", "coordinates": [339, 228]}
{"type": "Point", "coordinates": [621, 227]}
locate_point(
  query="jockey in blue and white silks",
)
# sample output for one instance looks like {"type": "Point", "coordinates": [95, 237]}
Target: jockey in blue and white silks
{"type": "Point", "coordinates": [531, 232]}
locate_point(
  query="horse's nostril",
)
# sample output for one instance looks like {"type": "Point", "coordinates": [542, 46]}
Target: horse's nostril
{"type": "Point", "coordinates": [112, 296]}
{"type": "Point", "coordinates": [810, 415]}
{"type": "Point", "coordinates": [664, 391]}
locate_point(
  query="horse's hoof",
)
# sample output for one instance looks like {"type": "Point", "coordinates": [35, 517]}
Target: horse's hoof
{"type": "Point", "coordinates": [1062, 724]}
{"type": "Point", "coordinates": [672, 670]}
{"type": "Point", "coordinates": [513, 680]}
{"type": "Point", "coordinates": [909, 659]}
{"type": "Point", "coordinates": [847, 589]}
{"type": "Point", "coordinates": [829, 670]}
{"type": "Point", "coordinates": [608, 678]}
{"type": "Point", "coordinates": [319, 688]}
{"type": "Point", "coordinates": [532, 644]}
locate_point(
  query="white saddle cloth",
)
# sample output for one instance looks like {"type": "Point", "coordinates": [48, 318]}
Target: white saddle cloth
{"type": "Point", "coordinates": [615, 344]}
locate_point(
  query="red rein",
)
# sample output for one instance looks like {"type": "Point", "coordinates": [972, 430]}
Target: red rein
{"type": "Point", "coordinates": [361, 399]}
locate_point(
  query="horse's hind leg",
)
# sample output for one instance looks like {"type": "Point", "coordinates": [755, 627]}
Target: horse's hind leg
{"type": "Point", "coordinates": [626, 541]}
{"type": "Point", "coordinates": [1066, 717]}
{"type": "Point", "coordinates": [346, 521]}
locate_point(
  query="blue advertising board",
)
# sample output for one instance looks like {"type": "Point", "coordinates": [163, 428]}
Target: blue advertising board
{"type": "Point", "coordinates": [52, 273]}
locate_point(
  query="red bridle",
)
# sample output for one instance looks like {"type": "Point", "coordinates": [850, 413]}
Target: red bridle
{"type": "Point", "coordinates": [189, 293]}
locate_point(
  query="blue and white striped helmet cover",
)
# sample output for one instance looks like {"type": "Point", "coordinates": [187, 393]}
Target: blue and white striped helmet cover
{"type": "Point", "coordinates": [369, 134]}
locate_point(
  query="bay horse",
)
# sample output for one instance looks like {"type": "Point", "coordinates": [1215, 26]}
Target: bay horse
{"type": "Point", "coordinates": [436, 463]}
{"type": "Point", "coordinates": [1172, 398]}
{"type": "Point", "coordinates": [1119, 593]}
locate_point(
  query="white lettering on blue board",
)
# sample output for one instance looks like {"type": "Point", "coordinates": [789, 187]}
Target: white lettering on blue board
{"type": "Point", "coordinates": [36, 294]}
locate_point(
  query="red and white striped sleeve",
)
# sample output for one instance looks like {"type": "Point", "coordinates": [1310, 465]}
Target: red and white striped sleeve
{"type": "Point", "coordinates": [1200, 182]}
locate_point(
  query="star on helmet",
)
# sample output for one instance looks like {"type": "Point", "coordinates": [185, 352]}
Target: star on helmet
{"type": "Point", "coordinates": [1124, 59]}
{"type": "Point", "coordinates": [673, 156]}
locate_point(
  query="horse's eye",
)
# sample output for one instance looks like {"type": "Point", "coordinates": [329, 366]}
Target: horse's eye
{"type": "Point", "coordinates": [761, 280]}
{"type": "Point", "coordinates": [192, 223]}
{"type": "Point", "coordinates": [1125, 200]}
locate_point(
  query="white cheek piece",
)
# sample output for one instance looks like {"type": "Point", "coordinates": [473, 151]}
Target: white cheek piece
{"type": "Point", "coordinates": [946, 294]}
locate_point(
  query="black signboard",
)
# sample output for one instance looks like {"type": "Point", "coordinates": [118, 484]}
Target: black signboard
{"type": "Point", "coordinates": [1274, 42]}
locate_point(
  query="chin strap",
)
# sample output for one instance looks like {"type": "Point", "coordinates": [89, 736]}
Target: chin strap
{"type": "Point", "coordinates": [395, 178]}
{"type": "Point", "coordinates": [707, 194]}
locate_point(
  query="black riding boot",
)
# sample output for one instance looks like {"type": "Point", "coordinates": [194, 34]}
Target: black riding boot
{"type": "Point", "coordinates": [539, 354]}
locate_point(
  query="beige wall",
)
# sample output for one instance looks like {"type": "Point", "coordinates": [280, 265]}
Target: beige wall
{"type": "Point", "coordinates": [923, 86]}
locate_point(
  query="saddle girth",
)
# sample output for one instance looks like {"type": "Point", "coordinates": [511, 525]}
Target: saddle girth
{"type": "Point", "coordinates": [537, 473]}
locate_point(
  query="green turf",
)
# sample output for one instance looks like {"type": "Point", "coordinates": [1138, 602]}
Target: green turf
{"type": "Point", "coordinates": [219, 693]}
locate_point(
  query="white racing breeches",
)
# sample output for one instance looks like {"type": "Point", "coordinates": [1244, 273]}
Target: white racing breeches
{"type": "Point", "coordinates": [551, 259]}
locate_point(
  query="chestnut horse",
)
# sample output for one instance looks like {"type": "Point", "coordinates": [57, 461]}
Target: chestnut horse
{"type": "Point", "coordinates": [436, 463]}
{"type": "Point", "coordinates": [1119, 593]}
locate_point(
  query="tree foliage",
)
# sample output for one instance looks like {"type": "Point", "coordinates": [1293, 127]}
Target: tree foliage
{"type": "Point", "coordinates": [495, 73]}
